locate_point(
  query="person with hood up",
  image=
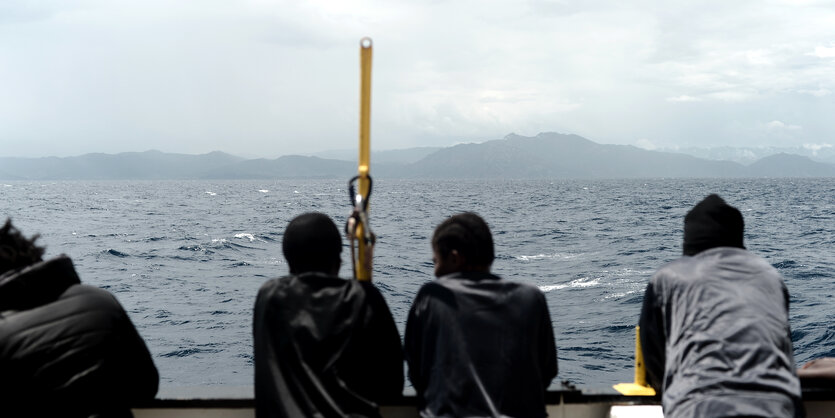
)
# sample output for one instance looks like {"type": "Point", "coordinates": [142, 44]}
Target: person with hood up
{"type": "Point", "coordinates": [66, 349]}
{"type": "Point", "coordinates": [715, 325]}
{"type": "Point", "coordinates": [324, 346]}
{"type": "Point", "coordinates": [477, 345]}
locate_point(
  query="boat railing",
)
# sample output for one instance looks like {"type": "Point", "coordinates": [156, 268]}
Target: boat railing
{"type": "Point", "coordinates": [563, 402]}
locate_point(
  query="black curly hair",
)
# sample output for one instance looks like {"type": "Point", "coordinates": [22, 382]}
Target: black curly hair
{"type": "Point", "coordinates": [312, 243]}
{"type": "Point", "coordinates": [16, 251]}
{"type": "Point", "coordinates": [467, 233]}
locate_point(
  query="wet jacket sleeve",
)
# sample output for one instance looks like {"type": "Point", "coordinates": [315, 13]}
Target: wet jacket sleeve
{"type": "Point", "coordinates": [548, 348]}
{"type": "Point", "coordinates": [140, 372]}
{"type": "Point", "coordinates": [125, 368]}
{"type": "Point", "coordinates": [379, 375]}
{"type": "Point", "coordinates": [653, 338]}
{"type": "Point", "coordinates": [80, 354]}
{"type": "Point", "coordinates": [411, 344]}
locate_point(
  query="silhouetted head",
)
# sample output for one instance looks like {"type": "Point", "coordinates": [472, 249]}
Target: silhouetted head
{"type": "Point", "coordinates": [712, 223]}
{"type": "Point", "coordinates": [462, 243]}
{"type": "Point", "coordinates": [15, 250]}
{"type": "Point", "coordinates": [312, 243]}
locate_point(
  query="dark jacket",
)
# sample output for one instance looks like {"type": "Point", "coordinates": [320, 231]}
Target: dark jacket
{"type": "Point", "coordinates": [480, 346]}
{"type": "Point", "coordinates": [716, 338]}
{"type": "Point", "coordinates": [68, 349]}
{"type": "Point", "coordinates": [324, 347]}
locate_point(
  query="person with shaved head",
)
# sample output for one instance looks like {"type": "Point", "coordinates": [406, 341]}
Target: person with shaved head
{"type": "Point", "coordinates": [324, 346]}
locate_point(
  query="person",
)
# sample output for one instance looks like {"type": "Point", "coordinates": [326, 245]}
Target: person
{"type": "Point", "coordinates": [477, 345]}
{"type": "Point", "coordinates": [66, 349]}
{"type": "Point", "coordinates": [324, 346]}
{"type": "Point", "coordinates": [715, 325]}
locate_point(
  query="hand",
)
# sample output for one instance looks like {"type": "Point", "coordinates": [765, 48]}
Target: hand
{"type": "Point", "coordinates": [821, 368]}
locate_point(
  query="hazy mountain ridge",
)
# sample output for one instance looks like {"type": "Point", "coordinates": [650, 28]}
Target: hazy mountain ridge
{"type": "Point", "coordinates": [824, 153]}
{"type": "Point", "coordinates": [148, 165]}
{"type": "Point", "coordinates": [547, 155]}
{"type": "Point", "coordinates": [397, 156]}
{"type": "Point", "coordinates": [559, 155]}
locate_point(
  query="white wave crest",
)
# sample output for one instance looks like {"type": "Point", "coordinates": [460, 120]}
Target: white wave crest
{"type": "Point", "coordinates": [619, 295]}
{"type": "Point", "coordinates": [248, 236]}
{"type": "Point", "coordinates": [559, 256]}
{"type": "Point", "coordinates": [582, 282]}
{"type": "Point", "coordinates": [211, 193]}
{"type": "Point", "coordinates": [548, 288]}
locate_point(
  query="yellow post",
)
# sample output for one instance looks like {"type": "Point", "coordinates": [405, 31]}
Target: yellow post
{"type": "Point", "coordinates": [362, 267]}
{"type": "Point", "coordinates": [639, 387]}
{"type": "Point", "coordinates": [640, 369]}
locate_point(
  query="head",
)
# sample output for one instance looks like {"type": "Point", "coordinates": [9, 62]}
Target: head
{"type": "Point", "coordinates": [712, 223]}
{"type": "Point", "coordinates": [16, 251]}
{"type": "Point", "coordinates": [312, 243]}
{"type": "Point", "coordinates": [462, 243]}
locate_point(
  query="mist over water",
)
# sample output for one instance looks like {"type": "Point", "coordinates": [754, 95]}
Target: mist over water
{"type": "Point", "coordinates": [186, 258]}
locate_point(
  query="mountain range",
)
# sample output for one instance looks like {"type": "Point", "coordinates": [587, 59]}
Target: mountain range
{"type": "Point", "coordinates": [547, 155]}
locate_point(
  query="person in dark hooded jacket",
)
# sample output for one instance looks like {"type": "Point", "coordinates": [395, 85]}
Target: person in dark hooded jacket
{"type": "Point", "coordinates": [66, 349]}
{"type": "Point", "coordinates": [715, 325]}
{"type": "Point", "coordinates": [477, 345]}
{"type": "Point", "coordinates": [324, 346]}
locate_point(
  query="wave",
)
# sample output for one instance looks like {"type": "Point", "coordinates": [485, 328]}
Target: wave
{"type": "Point", "coordinates": [187, 352]}
{"type": "Point", "coordinates": [582, 282]}
{"type": "Point", "coordinates": [621, 280]}
{"type": "Point", "coordinates": [558, 256]}
{"type": "Point", "coordinates": [194, 248]}
{"type": "Point", "coordinates": [250, 237]}
{"type": "Point", "coordinates": [223, 243]}
{"type": "Point", "coordinates": [619, 295]}
{"type": "Point", "coordinates": [116, 253]}
{"type": "Point", "coordinates": [785, 264]}
{"type": "Point", "coordinates": [220, 313]}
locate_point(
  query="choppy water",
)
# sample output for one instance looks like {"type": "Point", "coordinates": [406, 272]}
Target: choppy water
{"type": "Point", "coordinates": [186, 258]}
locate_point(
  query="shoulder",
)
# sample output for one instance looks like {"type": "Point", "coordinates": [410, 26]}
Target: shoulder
{"type": "Point", "coordinates": [527, 294]}
{"type": "Point", "coordinates": [82, 297]}
{"type": "Point", "coordinates": [90, 292]}
{"type": "Point", "coordinates": [270, 286]}
{"type": "Point", "coordinates": [368, 288]}
{"type": "Point", "coordinates": [675, 270]}
{"type": "Point", "coordinates": [307, 282]}
{"type": "Point", "coordinates": [82, 310]}
{"type": "Point", "coordinates": [525, 288]}
{"type": "Point", "coordinates": [436, 288]}
{"type": "Point", "coordinates": [431, 293]}
{"type": "Point", "coordinates": [315, 288]}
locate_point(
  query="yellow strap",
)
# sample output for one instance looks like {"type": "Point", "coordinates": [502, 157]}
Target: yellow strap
{"type": "Point", "coordinates": [362, 265]}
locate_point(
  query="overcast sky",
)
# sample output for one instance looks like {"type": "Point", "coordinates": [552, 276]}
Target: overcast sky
{"type": "Point", "coordinates": [268, 78]}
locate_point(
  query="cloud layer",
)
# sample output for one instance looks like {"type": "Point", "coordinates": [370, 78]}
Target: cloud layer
{"type": "Point", "coordinates": [266, 78]}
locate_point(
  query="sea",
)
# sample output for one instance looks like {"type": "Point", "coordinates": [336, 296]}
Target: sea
{"type": "Point", "coordinates": [186, 258]}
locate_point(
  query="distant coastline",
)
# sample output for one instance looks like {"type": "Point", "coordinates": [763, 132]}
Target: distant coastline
{"type": "Point", "coordinates": [547, 155]}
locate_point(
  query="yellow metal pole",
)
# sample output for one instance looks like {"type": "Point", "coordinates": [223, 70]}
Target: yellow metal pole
{"type": "Point", "coordinates": [363, 265]}
{"type": "Point", "coordinates": [640, 370]}
{"type": "Point", "coordinates": [639, 387]}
